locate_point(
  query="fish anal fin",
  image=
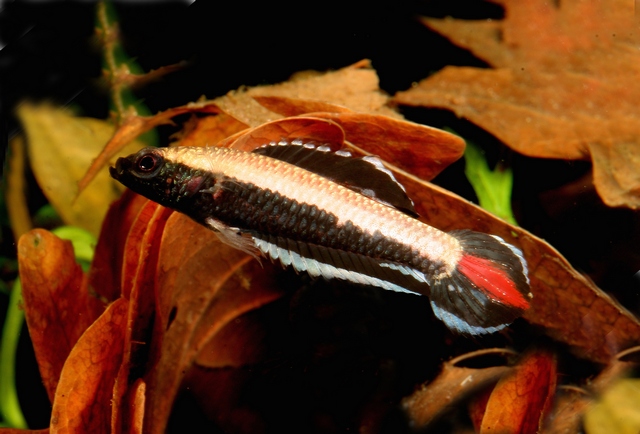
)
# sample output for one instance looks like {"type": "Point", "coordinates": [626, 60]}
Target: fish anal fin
{"type": "Point", "coordinates": [329, 263]}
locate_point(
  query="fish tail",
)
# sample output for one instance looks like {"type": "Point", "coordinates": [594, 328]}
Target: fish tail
{"type": "Point", "coordinates": [487, 289]}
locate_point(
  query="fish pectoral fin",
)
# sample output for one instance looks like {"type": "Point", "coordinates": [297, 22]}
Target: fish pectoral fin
{"type": "Point", "coordinates": [234, 237]}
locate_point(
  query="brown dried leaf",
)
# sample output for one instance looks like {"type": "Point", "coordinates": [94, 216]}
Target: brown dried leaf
{"type": "Point", "coordinates": [418, 149]}
{"type": "Point", "coordinates": [295, 107]}
{"type": "Point", "coordinates": [572, 402]}
{"type": "Point", "coordinates": [240, 342]}
{"type": "Point", "coordinates": [104, 277]}
{"type": "Point", "coordinates": [565, 87]}
{"type": "Point", "coordinates": [57, 309]}
{"type": "Point", "coordinates": [454, 384]}
{"type": "Point", "coordinates": [567, 305]}
{"type": "Point", "coordinates": [521, 400]}
{"type": "Point", "coordinates": [202, 285]}
{"type": "Point", "coordinates": [208, 130]}
{"type": "Point", "coordinates": [304, 128]}
{"type": "Point", "coordinates": [83, 396]}
{"type": "Point", "coordinates": [354, 87]}
{"type": "Point", "coordinates": [138, 286]}
{"type": "Point", "coordinates": [137, 399]}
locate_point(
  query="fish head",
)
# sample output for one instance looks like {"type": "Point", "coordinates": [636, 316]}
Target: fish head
{"type": "Point", "coordinates": [150, 173]}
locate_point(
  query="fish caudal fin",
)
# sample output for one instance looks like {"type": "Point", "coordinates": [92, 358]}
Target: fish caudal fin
{"type": "Point", "coordinates": [487, 290]}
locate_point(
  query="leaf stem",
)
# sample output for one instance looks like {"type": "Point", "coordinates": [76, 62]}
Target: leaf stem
{"type": "Point", "coordinates": [9, 404]}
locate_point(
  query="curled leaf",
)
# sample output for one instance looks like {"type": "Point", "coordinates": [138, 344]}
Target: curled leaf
{"type": "Point", "coordinates": [202, 286]}
{"type": "Point", "coordinates": [57, 309]}
{"type": "Point", "coordinates": [522, 399]}
{"type": "Point", "coordinates": [83, 396]}
{"type": "Point", "coordinates": [454, 384]}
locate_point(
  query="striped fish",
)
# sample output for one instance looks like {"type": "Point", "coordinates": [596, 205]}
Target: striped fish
{"type": "Point", "coordinates": [339, 217]}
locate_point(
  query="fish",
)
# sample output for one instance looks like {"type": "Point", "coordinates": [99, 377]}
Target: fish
{"type": "Point", "coordinates": [336, 216]}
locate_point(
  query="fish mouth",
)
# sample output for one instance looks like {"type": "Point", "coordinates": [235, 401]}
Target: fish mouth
{"type": "Point", "coordinates": [122, 166]}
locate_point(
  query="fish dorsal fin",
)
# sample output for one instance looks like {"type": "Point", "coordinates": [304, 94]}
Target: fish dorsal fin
{"type": "Point", "coordinates": [365, 175]}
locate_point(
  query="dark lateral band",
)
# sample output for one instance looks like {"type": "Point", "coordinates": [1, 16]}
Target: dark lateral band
{"type": "Point", "coordinates": [312, 233]}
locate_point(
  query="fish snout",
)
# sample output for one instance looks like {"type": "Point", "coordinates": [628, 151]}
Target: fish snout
{"type": "Point", "coordinates": [122, 166]}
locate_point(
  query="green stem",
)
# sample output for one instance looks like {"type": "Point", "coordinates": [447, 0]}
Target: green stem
{"type": "Point", "coordinates": [9, 404]}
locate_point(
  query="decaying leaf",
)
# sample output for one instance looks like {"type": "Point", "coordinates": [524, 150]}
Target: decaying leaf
{"type": "Point", "coordinates": [57, 309]}
{"type": "Point", "coordinates": [202, 285]}
{"type": "Point", "coordinates": [565, 85]}
{"type": "Point", "coordinates": [83, 396]}
{"type": "Point", "coordinates": [138, 287]}
{"type": "Point", "coordinates": [521, 400]}
{"type": "Point", "coordinates": [570, 405]}
{"type": "Point", "coordinates": [455, 383]}
{"type": "Point", "coordinates": [104, 277]}
{"type": "Point", "coordinates": [354, 87]}
{"type": "Point", "coordinates": [61, 147]}
{"type": "Point", "coordinates": [208, 130]}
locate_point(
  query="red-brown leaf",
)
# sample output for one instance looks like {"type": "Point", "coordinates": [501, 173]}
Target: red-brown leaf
{"type": "Point", "coordinates": [316, 130]}
{"type": "Point", "coordinates": [83, 397]}
{"type": "Point", "coordinates": [418, 149]}
{"type": "Point", "coordinates": [520, 401]}
{"type": "Point", "coordinates": [57, 309]}
{"type": "Point", "coordinates": [138, 286]}
{"type": "Point", "coordinates": [202, 285]}
{"type": "Point", "coordinates": [208, 130]}
{"type": "Point", "coordinates": [454, 384]}
{"type": "Point", "coordinates": [104, 277]}
{"type": "Point", "coordinates": [570, 308]}
{"type": "Point", "coordinates": [296, 107]}
{"type": "Point", "coordinates": [565, 85]}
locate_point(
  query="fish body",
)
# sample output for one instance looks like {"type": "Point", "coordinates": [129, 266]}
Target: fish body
{"type": "Point", "coordinates": [338, 217]}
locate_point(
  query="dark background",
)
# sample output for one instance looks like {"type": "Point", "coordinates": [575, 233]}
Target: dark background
{"type": "Point", "coordinates": [49, 54]}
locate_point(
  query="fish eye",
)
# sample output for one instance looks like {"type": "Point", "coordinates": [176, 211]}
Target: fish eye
{"type": "Point", "coordinates": [147, 163]}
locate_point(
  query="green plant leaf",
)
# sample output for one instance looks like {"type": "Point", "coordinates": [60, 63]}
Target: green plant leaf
{"type": "Point", "coordinates": [493, 187]}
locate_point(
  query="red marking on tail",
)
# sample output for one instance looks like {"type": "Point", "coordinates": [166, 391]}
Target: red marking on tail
{"type": "Point", "coordinates": [493, 280]}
